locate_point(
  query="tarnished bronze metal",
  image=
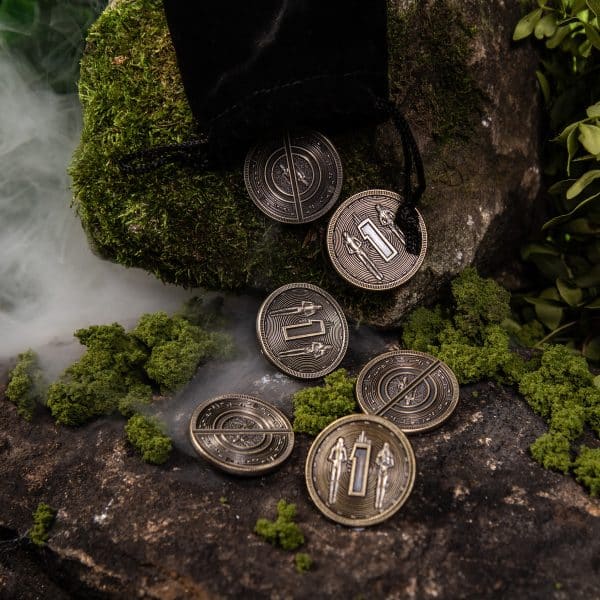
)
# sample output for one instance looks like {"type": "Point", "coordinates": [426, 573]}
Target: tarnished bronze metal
{"type": "Point", "coordinates": [241, 434]}
{"type": "Point", "coordinates": [302, 330]}
{"type": "Point", "coordinates": [294, 179]}
{"type": "Point", "coordinates": [414, 390]}
{"type": "Point", "coordinates": [365, 245]}
{"type": "Point", "coordinates": [360, 470]}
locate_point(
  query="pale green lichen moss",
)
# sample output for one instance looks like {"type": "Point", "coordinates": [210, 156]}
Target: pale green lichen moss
{"type": "Point", "coordinates": [472, 337]}
{"type": "Point", "coordinates": [316, 407]}
{"type": "Point", "coordinates": [168, 221]}
{"type": "Point", "coordinates": [43, 519]}
{"type": "Point", "coordinates": [147, 437]}
{"type": "Point", "coordinates": [25, 385]}
{"type": "Point", "coordinates": [282, 532]}
{"type": "Point", "coordinates": [119, 368]}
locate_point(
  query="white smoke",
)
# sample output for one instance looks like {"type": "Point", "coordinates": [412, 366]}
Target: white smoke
{"type": "Point", "coordinates": [50, 282]}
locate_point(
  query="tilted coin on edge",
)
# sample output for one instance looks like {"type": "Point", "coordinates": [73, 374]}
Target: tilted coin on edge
{"type": "Point", "coordinates": [296, 178]}
{"type": "Point", "coordinates": [241, 434]}
{"type": "Point", "coordinates": [365, 245]}
{"type": "Point", "coordinates": [360, 470]}
{"type": "Point", "coordinates": [302, 330]}
{"type": "Point", "coordinates": [414, 390]}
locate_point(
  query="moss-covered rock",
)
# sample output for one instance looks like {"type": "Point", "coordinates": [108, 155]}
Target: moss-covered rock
{"type": "Point", "coordinates": [200, 228]}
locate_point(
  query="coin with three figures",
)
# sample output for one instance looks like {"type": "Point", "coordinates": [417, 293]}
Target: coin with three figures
{"type": "Point", "coordinates": [360, 470]}
{"type": "Point", "coordinates": [241, 434]}
{"type": "Point", "coordinates": [414, 390]}
{"type": "Point", "coordinates": [296, 178]}
{"type": "Point", "coordinates": [366, 246]}
{"type": "Point", "coordinates": [302, 330]}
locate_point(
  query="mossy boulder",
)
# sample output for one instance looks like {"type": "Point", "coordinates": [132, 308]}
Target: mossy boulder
{"type": "Point", "coordinates": [468, 93]}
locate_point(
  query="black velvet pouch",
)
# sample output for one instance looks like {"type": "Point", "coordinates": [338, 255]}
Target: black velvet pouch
{"type": "Point", "coordinates": [252, 68]}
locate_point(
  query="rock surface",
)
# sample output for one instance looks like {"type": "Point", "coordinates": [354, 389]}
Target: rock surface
{"type": "Point", "coordinates": [467, 90]}
{"type": "Point", "coordinates": [483, 521]}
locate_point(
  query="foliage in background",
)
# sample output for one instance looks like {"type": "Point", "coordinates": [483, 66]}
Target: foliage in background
{"type": "Point", "coordinates": [25, 385]}
{"type": "Point", "coordinates": [568, 257]}
{"type": "Point", "coordinates": [43, 519]}
{"type": "Point", "coordinates": [478, 340]}
{"type": "Point", "coordinates": [316, 407]}
{"type": "Point", "coordinates": [282, 532]}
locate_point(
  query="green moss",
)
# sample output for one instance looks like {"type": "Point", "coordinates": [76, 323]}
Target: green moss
{"type": "Point", "coordinates": [303, 562]}
{"type": "Point", "coordinates": [553, 451]}
{"type": "Point", "coordinates": [316, 407]}
{"type": "Point", "coordinates": [430, 47]}
{"type": "Point", "coordinates": [119, 369]}
{"type": "Point", "coordinates": [147, 437]}
{"type": "Point", "coordinates": [283, 531]}
{"type": "Point", "coordinates": [423, 327]}
{"type": "Point", "coordinates": [587, 469]}
{"type": "Point", "coordinates": [25, 385]}
{"type": "Point", "coordinates": [43, 519]}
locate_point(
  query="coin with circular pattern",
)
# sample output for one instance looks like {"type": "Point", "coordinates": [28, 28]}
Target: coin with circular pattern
{"type": "Point", "coordinates": [241, 434]}
{"type": "Point", "coordinates": [414, 390]}
{"type": "Point", "coordinates": [365, 245]}
{"type": "Point", "coordinates": [294, 179]}
{"type": "Point", "coordinates": [360, 470]}
{"type": "Point", "coordinates": [302, 330]}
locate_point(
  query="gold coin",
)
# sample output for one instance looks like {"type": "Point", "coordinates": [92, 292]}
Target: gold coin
{"type": "Point", "coordinates": [414, 390]}
{"type": "Point", "coordinates": [365, 245]}
{"type": "Point", "coordinates": [241, 434]}
{"type": "Point", "coordinates": [360, 470]}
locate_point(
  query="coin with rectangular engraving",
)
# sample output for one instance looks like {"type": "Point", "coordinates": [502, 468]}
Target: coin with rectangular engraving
{"type": "Point", "coordinates": [302, 330]}
{"type": "Point", "coordinates": [414, 390]}
{"type": "Point", "coordinates": [295, 178]}
{"type": "Point", "coordinates": [360, 470]}
{"type": "Point", "coordinates": [241, 434]}
{"type": "Point", "coordinates": [366, 246]}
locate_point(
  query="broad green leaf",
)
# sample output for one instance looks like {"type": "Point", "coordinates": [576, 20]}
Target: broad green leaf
{"type": "Point", "coordinates": [594, 6]}
{"type": "Point", "coordinates": [550, 266]}
{"type": "Point", "coordinates": [562, 136]}
{"type": "Point", "coordinates": [545, 27]}
{"type": "Point", "coordinates": [589, 279]}
{"type": "Point", "coordinates": [593, 110]}
{"type": "Point", "coordinates": [537, 248]}
{"type": "Point", "coordinates": [572, 295]}
{"type": "Point", "coordinates": [568, 216]}
{"type": "Point", "coordinates": [561, 187]}
{"type": "Point", "coordinates": [526, 25]}
{"type": "Point", "coordinates": [582, 183]}
{"type": "Point", "coordinates": [539, 301]}
{"type": "Point", "coordinates": [589, 136]}
{"type": "Point", "coordinates": [544, 86]}
{"type": "Point", "coordinates": [593, 35]}
{"type": "Point", "coordinates": [550, 316]}
{"type": "Point", "coordinates": [557, 39]}
{"type": "Point", "coordinates": [591, 349]}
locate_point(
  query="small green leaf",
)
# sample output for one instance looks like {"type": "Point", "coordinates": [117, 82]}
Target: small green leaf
{"type": "Point", "coordinates": [557, 39]}
{"type": "Point", "coordinates": [572, 295]}
{"type": "Point", "coordinates": [550, 316]}
{"type": "Point", "coordinates": [544, 86]}
{"type": "Point", "coordinates": [564, 134]}
{"type": "Point", "coordinates": [526, 25]}
{"type": "Point", "coordinates": [545, 27]}
{"type": "Point", "coordinates": [593, 110]}
{"type": "Point", "coordinates": [536, 248]}
{"type": "Point", "coordinates": [589, 136]}
{"type": "Point", "coordinates": [593, 35]}
{"type": "Point", "coordinates": [539, 301]}
{"type": "Point", "coordinates": [571, 148]}
{"type": "Point", "coordinates": [582, 183]}
{"type": "Point", "coordinates": [567, 216]}
{"type": "Point", "coordinates": [594, 6]}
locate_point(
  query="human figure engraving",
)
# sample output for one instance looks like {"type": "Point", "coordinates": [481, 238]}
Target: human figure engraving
{"type": "Point", "coordinates": [384, 461]}
{"type": "Point", "coordinates": [316, 349]}
{"type": "Point", "coordinates": [386, 218]}
{"type": "Point", "coordinates": [337, 457]}
{"type": "Point", "coordinates": [300, 176]}
{"type": "Point", "coordinates": [306, 308]}
{"type": "Point", "coordinates": [354, 247]}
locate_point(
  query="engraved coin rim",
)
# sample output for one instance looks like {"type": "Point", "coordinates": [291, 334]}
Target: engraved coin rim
{"type": "Point", "coordinates": [380, 517]}
{"type": "Point", "coordinates": [345, 273]}
{"type": "Point", "coordinates": [288, 220]}
{"type": "Point", "coordinates": [408, 430]}
{"type": "Point", "coordinates": [241, 469]}
{"type": "Point", "coordinates": [273, 359]}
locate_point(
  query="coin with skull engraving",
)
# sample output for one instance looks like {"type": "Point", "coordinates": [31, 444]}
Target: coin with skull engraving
{"type": "Point", "coordinates": [414, 390]}
{"type": "Point", "coordinates": [302, 330]}
{"type": "Point", "coordinates": [360, 470]}
{"type": "Point", "coordinates": [241, 434]}
{"type": "Point", "coordinates": [365, 245]}
{"type": "Point", "coordinates": [296, 178]}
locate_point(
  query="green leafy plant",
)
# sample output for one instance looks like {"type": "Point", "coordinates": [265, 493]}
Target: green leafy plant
{"type": "Point", "coordinates": [568, 258]}
{"type": "Point", "coordinates": [43, 519]}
